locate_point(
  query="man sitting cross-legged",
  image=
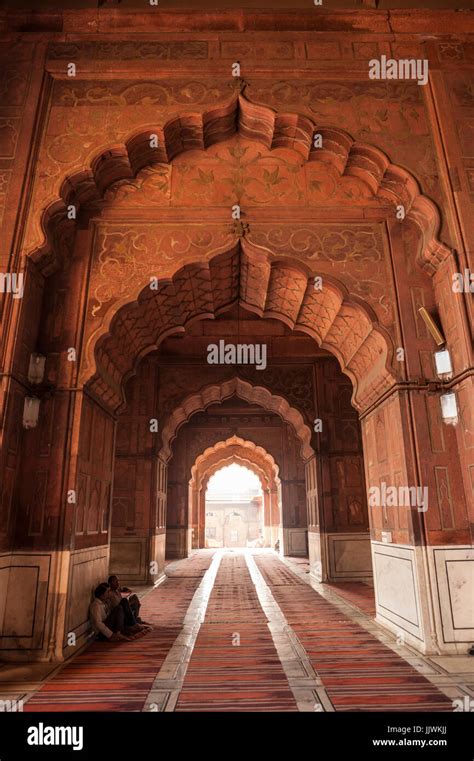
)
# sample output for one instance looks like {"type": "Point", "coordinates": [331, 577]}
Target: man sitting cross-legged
{"type": "Point", "coordinates": [118, 595]}
{"type": "Point", "coordinates": [109, 625]}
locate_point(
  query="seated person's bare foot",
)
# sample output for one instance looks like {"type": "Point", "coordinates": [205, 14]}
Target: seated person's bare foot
{"type": "Point", "coordinates": [118, 637]}
{"type": "Point", "coordinates": [130, 631]}
{"type": "Point", "coordinates": [140, 634]}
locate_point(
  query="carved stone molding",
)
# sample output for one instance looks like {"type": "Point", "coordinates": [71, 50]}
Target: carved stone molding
{"type": "Point", "coordinates": [234, 447]}
{"type": "Point", "coordinates": [278, 289]}
{"type": "Point", "coordinates": [388, 183]}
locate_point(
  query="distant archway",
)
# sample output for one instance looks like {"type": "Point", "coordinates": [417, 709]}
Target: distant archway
{"type": "Point", "coordinates": [250, 455]}
{"type": "Point", "coordinates": [234, 505]}
{"type": "Point", "coordinates": [244, 390]}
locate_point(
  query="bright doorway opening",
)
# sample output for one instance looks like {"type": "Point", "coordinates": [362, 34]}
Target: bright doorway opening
{"type": "Point", "coordinates": [234, 508]}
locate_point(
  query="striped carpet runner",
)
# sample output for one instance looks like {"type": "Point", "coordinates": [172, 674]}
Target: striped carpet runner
{"type": "Point", "coordinates": [358, 594]}
{"type": "Point", "coordinates": [234, 665]}
{"type": "Point", "coordinates": [359, 672]}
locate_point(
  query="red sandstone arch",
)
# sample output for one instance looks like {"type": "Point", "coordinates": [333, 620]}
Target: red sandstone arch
{"type": "Point", "coordinates": [240, 446]}
{"type": "Point", "coordinates": [269, 287]}
{"type": "Point", "coordinates": [234, 458]}
{"type": "Point", "coordinates": [109, 164]}
{"type": "Point", "coordinates": [135, 323]}
{"type": "Point", "coordinates": [219, 392]}
{"type": "Point", "coordinates": [250, 455]}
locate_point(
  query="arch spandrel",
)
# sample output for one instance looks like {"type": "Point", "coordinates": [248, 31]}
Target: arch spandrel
{"type": "Point", "coordinates": [83, 173]}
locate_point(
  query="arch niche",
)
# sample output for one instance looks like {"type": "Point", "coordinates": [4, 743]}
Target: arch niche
{"type": "Point", "coordinates": [255, 458]}
{"type": "Point", "coordinates": [328, 257]}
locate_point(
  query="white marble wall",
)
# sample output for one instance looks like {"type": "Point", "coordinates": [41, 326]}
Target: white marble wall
{"type": "Point", "coordinates": [24, 580]}
{"type": "Point", "coordinates": [453, 570]}
{"type": "Point", "coordinates": [34, 604]}
{"type": "Point", "coordinates": [87, 569]}
{"type": "Point", "coordinates": [426, 595]}
{"type": "Point", "coordinates": [397, 594]}
{"type": "Point", "coordinates": [317, 556]}
{"type": "Point", "coordinates": [295, 542]}
{"type": "Point", "coordinates": [349, 557]}
{"type": "Point", "coordinates": [340, 557]}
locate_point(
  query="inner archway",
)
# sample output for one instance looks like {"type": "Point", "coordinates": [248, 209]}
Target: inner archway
{"type": "Point", "coordinates": [254, 458]}
{"type": "Point", "coordinates": [234, 508]}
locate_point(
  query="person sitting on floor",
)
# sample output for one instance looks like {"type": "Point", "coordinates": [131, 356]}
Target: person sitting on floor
{"type": "Point", "coordinates": [108, 625]}
{"type": "Point", "coordinates": [129, 602]}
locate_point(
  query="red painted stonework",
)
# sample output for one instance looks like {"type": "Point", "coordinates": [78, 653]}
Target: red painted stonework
{"type": "Point", "coordinates": [165, 211]}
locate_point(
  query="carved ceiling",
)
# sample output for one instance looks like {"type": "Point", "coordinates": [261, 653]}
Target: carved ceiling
{"type": "Point", "coordinates": [271, 289]}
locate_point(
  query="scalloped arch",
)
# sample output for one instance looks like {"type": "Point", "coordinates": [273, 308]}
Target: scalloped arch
{"type": "Point", "coordinates": [216, 393]}
{"type": "Point", "coordinates": [269, 287]}
{"type": "Point", "coordinates": [235, 447]}
{"type": "Point", "coordinates": [190, 131]}
{"type": "Point", "coordinates": [239, 460]}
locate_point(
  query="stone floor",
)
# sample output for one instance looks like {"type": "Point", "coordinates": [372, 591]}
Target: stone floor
{"type": "Point", "coordinates": [246, 630]}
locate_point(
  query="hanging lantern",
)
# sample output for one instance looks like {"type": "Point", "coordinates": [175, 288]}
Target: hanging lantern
{"type": "Point", "coordinates": [449, 408]}
{"type": "Point", "coordinates": [36, 368]}
{"type": "Point", "coordinates": [444, 366]}
{"type": "Point", "coordinates": [31, 412]}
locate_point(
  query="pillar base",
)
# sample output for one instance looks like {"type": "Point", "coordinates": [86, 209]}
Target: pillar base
{"type": "Point", "coordinates": [295, 542]}
{"type": "Point", "coordinates": [178, 543]}
{"type": "Point", "coordinates": [423, 595]}
{"type": "Point", "coordinates": [336, 557]}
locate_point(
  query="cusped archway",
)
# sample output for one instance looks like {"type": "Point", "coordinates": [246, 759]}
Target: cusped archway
{"type": "Point", "coordinates": [85, 183]}
{"type": "Point", "coordinates": [250, 455]}
{"type": "Point", "coordinates": [239, 446]}
{"type": "Point", "coordinates": [266, 273]}
{"type": "Point", "coordinates": [268, 286]}
{"type": "Point", "coordinates": [218, 392]}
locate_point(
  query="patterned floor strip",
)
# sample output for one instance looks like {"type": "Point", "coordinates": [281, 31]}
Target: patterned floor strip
{"type": "Point", "coordinates": [358, 671]}
{"type": "Point", "coordinates": [240, 631]}
{"type": "Point", "coordinates": [234, 665]}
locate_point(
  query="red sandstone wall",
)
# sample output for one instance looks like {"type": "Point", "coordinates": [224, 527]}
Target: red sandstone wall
{"type": "Point", "coordinates": [426, 130]}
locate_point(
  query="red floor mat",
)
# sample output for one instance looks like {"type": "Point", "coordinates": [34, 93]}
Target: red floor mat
{"type": "Point", "coordinates": [234, 665]}
{"type": "Point", "coordinates": [359, 672]}
{"type": "Point", "coordinates": [358, 594]}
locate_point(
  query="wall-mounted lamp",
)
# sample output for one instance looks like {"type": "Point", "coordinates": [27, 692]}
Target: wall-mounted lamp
{"type": "Point", "coordinates": [36, 368]}
{"type": "Point", "coordinates": [449, 408]}
{"type": "Point", "coordinates": [31, 412]}
{"type": "Point", "coordinates": [444, 366]}
{"type": "Point", "coordinates": [432, 326]}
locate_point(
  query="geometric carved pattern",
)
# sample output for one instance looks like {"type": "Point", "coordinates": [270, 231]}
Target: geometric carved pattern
{"type": "Point", "coordinates": [388, 183]}
{"type": "Point", "coordinates": [269, 288]}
